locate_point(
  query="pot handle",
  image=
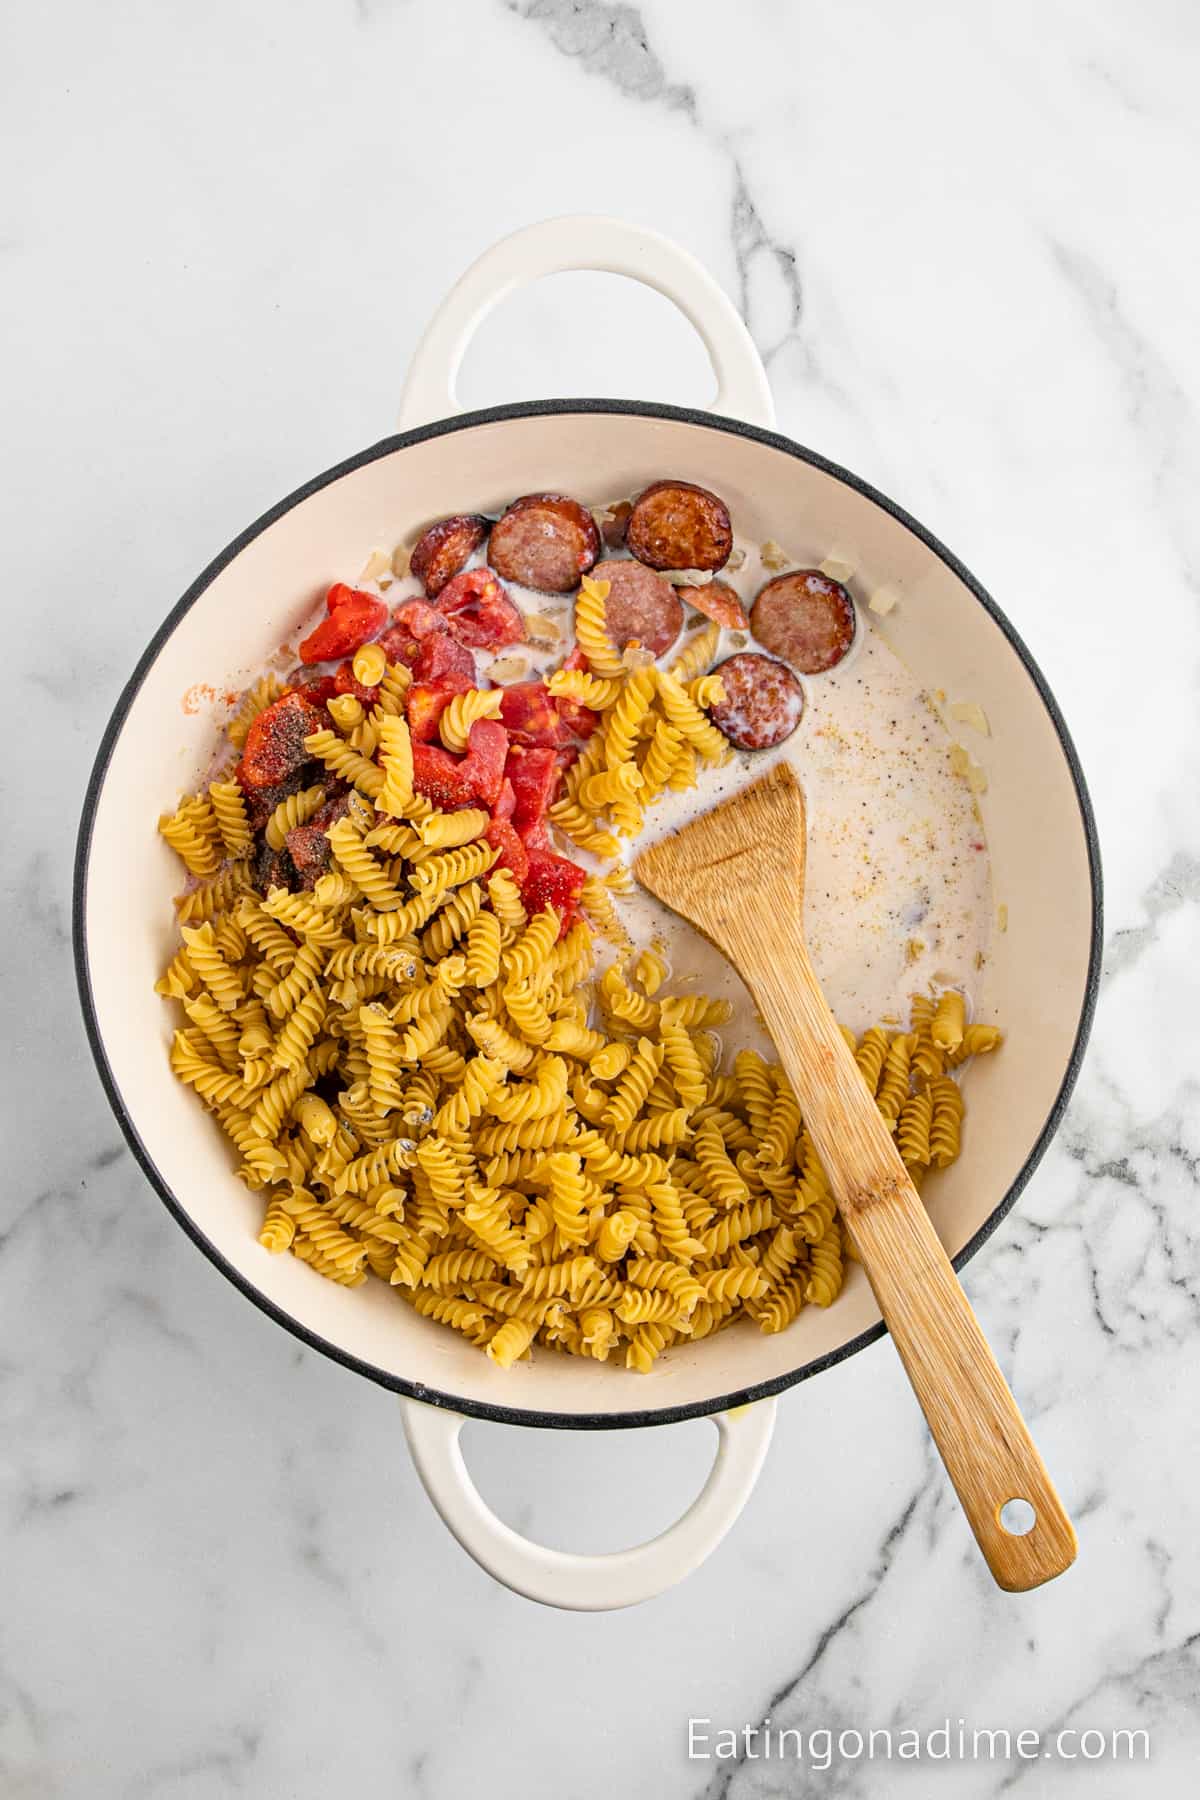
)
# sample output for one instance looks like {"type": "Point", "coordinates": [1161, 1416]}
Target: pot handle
{"type": "Point", "coordinates": [583, 241]}
{"type": "Point", "coordinates": [588, 1583]}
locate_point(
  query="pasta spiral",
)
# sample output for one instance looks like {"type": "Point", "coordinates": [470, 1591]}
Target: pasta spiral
{"type": "Point", "coordinates": [448, 831]}
{"type": "Point", "coordinates": [949, 1021]}
{"type": "Point", "coordinates": [208, 963]}
{"type": "Point", "coordinates": [685, 715]}
{"type": "Point", "coordinates": [533, 946]}
{"type": "Point", "coordinates": [946, 1122]}
{"type": "Point", "coordinates": [462, 712]}
{"type": "Point", "coordinates": [591, 630]}
{"type": "Point", "coordinates": [634, 1085]}
{"type": "Point", "coordinates": [297, 809]}
{"type": "Point", "coordinates": [229, 806]}
{"type": "Point", "coordinates": [452, 868]}
{"type": "Point", "coordinates": [340, 759]}
{"type": "Point", "coordinates": [506, 900]}
{"type": "Point", "coordinates": [697, 654]}
{"type": "Point", "coordinates": [584, 689]}
{"type": "Point", "coordinates": [357, 863]}
{"type": "Point", "coordinates": [624, 719]}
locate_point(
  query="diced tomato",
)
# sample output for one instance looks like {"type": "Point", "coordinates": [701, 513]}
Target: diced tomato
{"type": "Point", "coordinates": [487, 750]}
{"type": "Point", "coordinates": [503, 808]}
{"type": "Point", "coordinates": [275, 742]}
{"type": "Point", "coordinates": [581, 721]}
{"type": "Point", "coordinates": [343, 682]}
{"type": "Point", "coordinates": [441, 777]}
{"type": "Point", "coordinates": [552, 881]}
{"type": "Point", "coordinates": [535, 776]}
{"type": "Point", "coordinates": [418, 618]}
{"type": "Point", "coordinates": [318, 692]}
{"type": "Point", "coordinates": [273, 868]}
{"type": "Point", "coordinates": [471, 780]}
{"type": "Point", "coordinates": [530, 715]}
{"type": "Point", "coordinates": [424, 705]}
{"type": "Point", "coordinates": [479, 612]}
{"type": "Point", "coordinates": [349, 625]}
{"type": "Point", "coordinates": [262, 801]}
{"type": "Point", "coordinates": [440, 659]}
{"type": "Point", "coordinates": [513, 855]}
{"type": "Point", "coordinates": [341, 593]}
{"type": "Point", "coordinates": [310, 851]}
{"type": "Point", "coordinates": [566, 756]}
{"type": "Point", "coordinates": [335, 807]}
{"type": "Point", "coordinates": [398, 645]}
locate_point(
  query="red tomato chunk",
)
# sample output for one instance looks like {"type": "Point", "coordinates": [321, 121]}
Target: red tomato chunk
{"type": "Point", "coordinates": [275, 742]}
{"type": "Point", "coordinates": [513, 855]}
{"type": "Point", "coordinates": [352, 620]}
{"type": "Point", "coordinates": [479, 612]}
{"type": "Point", "coordinates": [440, 777]}
{"type": "Point", "coordinates": [552, 881]}
{"type": "Point", "coordinates": [530, 715]}
{"type": "Point", "coordinates": [345, 683]}
{"type": "Point", "coordinates": [440, 659]}
{"type": "Point", "coordinates": [534, 774]}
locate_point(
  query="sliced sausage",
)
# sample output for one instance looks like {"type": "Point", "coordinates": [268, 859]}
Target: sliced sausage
{"type": "Point", "coordinates": [763, 701]}
{"type": "Point", "coordinates": [641, 606]}
{"type": "Point", "coordinates": [544, 541]}
{"type": "Point", "coordinates": [717, 601]}
{"type": "Point", "coordinates": [446, 548]}
{"type": "Point", "coordinates": [806, 618]}
{"type": "Point", "coordinates": [675, 525]}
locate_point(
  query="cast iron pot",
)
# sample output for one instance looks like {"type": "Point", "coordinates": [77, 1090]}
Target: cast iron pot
{"type": "Point", "coordinates": [1041, 977]}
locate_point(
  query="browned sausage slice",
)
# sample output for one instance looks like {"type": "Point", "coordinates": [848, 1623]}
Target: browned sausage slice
{"type": "Point", "coordinates": [717, 601]}
{"type": "Point", "coordinates": [544, 541]}
{"type": "Point", "coordinates": [446, 548]}
{"type": "Point", "coordinates": [806, 618]}
{"type": "Point", "coordinates": [763, 701]}
{"type": "Point", "coordinates": [641, 606]}
{"type": "Point", "coordinates": [675, 525]}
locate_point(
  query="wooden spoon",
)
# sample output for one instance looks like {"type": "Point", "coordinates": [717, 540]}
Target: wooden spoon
{"type": "Point", "coordinates": [737, 874]}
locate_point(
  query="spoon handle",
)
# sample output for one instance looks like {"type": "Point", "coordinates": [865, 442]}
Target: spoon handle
{"type": "Point", "coordinates": [976, 1425]}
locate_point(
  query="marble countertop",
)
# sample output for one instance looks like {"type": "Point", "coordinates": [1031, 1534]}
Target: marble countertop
{"type": "Point", "coordinates": [955, 234]}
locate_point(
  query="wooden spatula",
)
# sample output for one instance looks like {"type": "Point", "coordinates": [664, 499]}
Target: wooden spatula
{"type": "Point", "coordinates": [737, 874]}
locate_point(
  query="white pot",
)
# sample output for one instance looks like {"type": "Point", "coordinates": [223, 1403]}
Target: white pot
{"type": "Point", "coordinates": [1041, 979]}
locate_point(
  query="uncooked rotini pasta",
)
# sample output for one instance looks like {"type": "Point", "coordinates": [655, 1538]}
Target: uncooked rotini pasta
{"type": "Point", "coordinates": [441, 1063]}
{"type": "Point", "coordinates": [295, 810]}
{"type": "Point", "coordinates": [341, 759]}
{"type": "Point", "coordinates": [449, 831]}
{"type": "Point", "coordinates": [584, 689]}
{"type": "Point", "coordinates": [948, 1022]}
{"type": "Point", "coordinates": [229, 806]}
{"type": "Point", "coordinates": [462, 712]}
{"type": "Point", "coordinates": [591, 630]}
{"type": "Point", "coordinates": [194, 838]}
{"type": "Point", "coordinates": [697, 655]}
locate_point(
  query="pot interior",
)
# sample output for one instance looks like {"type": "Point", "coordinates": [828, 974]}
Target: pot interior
{"type": "Point", "coordinates": [1039, 974]}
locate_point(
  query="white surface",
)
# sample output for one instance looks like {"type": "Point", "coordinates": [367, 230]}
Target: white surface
{"type": "Point", "coordinates": [956, 235]}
